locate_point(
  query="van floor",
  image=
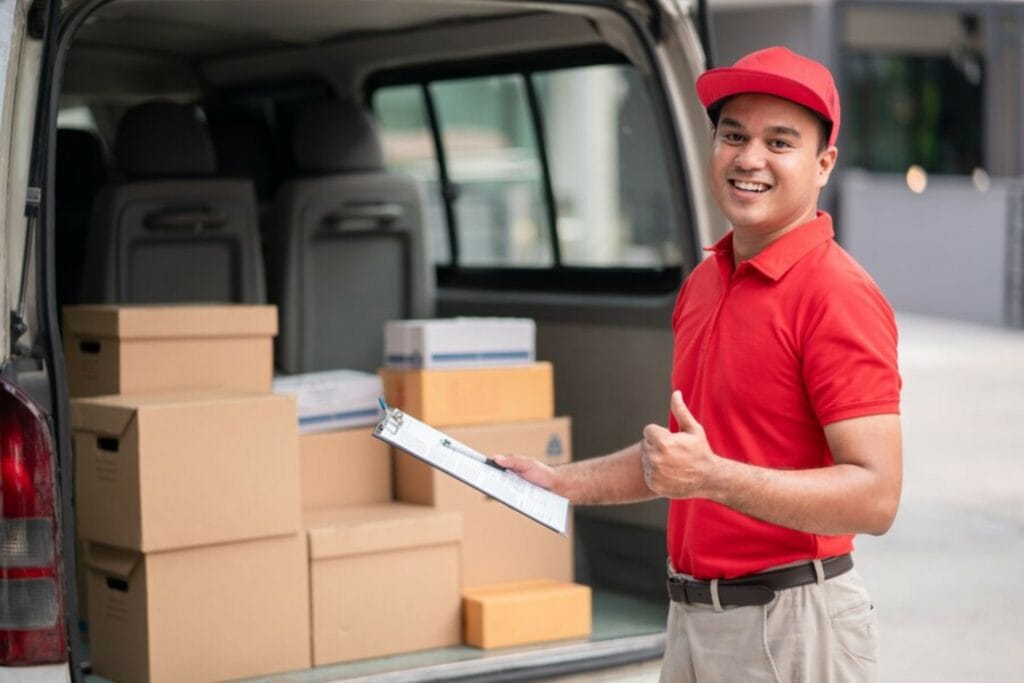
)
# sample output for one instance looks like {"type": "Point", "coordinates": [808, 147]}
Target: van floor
{"type": "Point", "coordinates": [625, 629]}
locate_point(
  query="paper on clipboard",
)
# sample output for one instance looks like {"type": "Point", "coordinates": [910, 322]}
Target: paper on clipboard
{"type": "Point", "coordinates": [439, 450]}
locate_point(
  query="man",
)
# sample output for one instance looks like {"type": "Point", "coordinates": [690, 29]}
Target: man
{"type": "Point", "coordinates": [784, 435]}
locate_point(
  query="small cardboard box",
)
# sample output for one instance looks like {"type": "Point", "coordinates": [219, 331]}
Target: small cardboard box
{"type": "Point", "coordinates": [459, 342]}
{"type": "Point", "coordinates": [510, 614]}
{"type": "Point", "coordinates": [347, 467]}
{"type": "Point", "coordinates": [199, 614]}
{"type": "Point", "coordinates": [498, 543]}
{"type": "Point", "coordinates": [384, 580]}
{"type": "Point", "coordinates": [335, 399]}
{"type": "Point", "coordinates": [167, 471]}
{"type": "Point", "coordinates": [444, 398]}
{"type": "Point", "coordinates": [146, 349]}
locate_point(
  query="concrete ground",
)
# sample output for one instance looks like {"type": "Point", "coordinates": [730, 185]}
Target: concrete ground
{"type": "Point", "coordinates": [948, 578]}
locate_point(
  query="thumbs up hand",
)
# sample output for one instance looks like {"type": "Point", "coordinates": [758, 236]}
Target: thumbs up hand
{"type": "Point", "coordinates": [677, 465]}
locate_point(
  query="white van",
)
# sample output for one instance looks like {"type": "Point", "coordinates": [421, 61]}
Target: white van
{"type": "Point", "coordinates": [553, 152]}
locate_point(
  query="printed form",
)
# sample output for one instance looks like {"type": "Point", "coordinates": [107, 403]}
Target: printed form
{"type": "Point", "coordinates": [439, 450]}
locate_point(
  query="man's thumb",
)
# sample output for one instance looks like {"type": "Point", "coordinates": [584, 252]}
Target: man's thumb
{"type": "Point", "coordinates": [684, 418]}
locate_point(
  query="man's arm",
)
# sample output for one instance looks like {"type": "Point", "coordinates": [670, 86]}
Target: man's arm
{"type": "Point", "coordinates": [614, 478]}
{"type": "Point", "coordinates": [858, 494]}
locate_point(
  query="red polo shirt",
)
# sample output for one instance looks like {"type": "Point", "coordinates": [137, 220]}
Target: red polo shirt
{"type": "Point", "coordinates": [766, 354]}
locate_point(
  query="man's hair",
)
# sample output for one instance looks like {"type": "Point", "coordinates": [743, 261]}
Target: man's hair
{"type": "Point", "coordinates": [824, 125]}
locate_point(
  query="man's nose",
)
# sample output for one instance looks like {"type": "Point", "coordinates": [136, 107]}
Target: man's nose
{"type": "Point", "coordinates": [750, 156]}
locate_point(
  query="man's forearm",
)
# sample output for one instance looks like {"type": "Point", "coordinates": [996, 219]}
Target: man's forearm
{"type": "Point", "coordinates": [614, 478]}
{"type": "Point", "coordinates": [841, 499]}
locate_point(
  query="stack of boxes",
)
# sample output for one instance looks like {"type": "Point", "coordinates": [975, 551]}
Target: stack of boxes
{"type": "Point", "coordinates": [230, 531]}
{"type": "Point", "coordinates": [477, 379]}
{"type": "Point", "coordinates": [187, 493]}
{"type": "Point", "coordinates": [384, 575]}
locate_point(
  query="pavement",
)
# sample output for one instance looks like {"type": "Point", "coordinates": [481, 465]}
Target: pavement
{"type": "Point", "coordinates": [948, 578]}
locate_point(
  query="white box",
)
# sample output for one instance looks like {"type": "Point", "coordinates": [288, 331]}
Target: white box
{"type": "Point", "coordinates": [335, 399]}
{"type": "Point", "coordinates": [459, 343]}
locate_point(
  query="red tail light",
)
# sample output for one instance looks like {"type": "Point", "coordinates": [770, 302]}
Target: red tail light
{"type": "Point", "coordinates": [31, 599]}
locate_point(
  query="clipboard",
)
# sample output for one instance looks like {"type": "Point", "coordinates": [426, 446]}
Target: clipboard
{"type": "Point", "coordinates": [458, 460]}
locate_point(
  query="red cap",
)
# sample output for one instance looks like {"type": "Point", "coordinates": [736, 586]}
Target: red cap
{"type": "Point", "coordinates": [780, 72]}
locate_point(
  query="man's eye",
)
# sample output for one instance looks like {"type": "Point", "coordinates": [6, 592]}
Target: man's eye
{"type": "Point", "coordinates": [732, 137]}
{"type": "Point", "coordinates": [780, 144]}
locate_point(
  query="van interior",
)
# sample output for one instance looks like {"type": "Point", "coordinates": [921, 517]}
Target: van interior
{"type": "Point", "coordinates": [358, 161]}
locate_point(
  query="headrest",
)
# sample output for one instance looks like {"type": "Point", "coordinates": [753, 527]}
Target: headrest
{"type": "Point", "coordinates": [81, 168]}
{"type": "Point", "coordinates": [164, 140]}
{"type": "Point", "coordinates": [336, 136]}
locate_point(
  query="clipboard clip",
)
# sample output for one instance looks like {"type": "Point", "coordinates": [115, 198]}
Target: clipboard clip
{"type": "Point", "coordinates": [393, 419]}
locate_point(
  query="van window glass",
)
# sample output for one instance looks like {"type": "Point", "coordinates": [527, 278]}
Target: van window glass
{"type": "Point", "coordinates": [409, 148]}
{"type": "Point", "coordinates": [609, 177]}
{"type": "Point", "coordinates": [491, 150]}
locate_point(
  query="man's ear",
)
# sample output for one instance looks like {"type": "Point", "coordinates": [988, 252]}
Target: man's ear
{"type": "Point", "coordinates": [826, 164]}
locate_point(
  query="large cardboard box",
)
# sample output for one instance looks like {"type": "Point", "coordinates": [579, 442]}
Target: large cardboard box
{"type": "Point", "coordinates": [384, 579]}
{"type": "Point", "coordinates": [473, 396]}
{"type": "Point", "coordinates": [200, 614]}
{"type": "Point", "coordinates": [347, 467]}
{"type": "Point", "coordinates": [146, 349]}
{"type": "Point", "coordinates": [499, 544]}
{"type": "Point", "coordinates": [465, 342]}
{"type": "Point", "coordinates": [166, 471]}
{"type": "Point", "coordinates": [524, 612]}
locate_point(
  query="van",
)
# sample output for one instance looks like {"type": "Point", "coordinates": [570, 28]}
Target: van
{"type": "Point", "coordinates": [546, 158]}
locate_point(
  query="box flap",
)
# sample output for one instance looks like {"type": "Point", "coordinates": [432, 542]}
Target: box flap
{"type": "Point", "coordinates": [101, 415]}
{"type": "Point", "coordinates": [111, 561]}
{"type": "Point", "coordinates": [171, 321]}
{"type": "Point", "coordinates": [359, 530]}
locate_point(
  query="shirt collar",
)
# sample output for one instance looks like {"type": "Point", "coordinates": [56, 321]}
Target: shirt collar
{"type": "Point", "coordinates": [777, 258]}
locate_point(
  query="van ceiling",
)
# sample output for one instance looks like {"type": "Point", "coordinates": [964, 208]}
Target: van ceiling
{"type": "Point", "coordinates": [207, 29]}
{"type": "Point", "coordinates": [132, 49]}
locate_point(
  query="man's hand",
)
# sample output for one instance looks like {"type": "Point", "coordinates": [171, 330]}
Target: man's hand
{"type": "Point", "coordinates": [530, 469]}
{"type": "Point", "coordinates": [676, 465]}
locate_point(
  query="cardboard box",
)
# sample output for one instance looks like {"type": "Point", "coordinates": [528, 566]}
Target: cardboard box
{"type": "Point", "coordinates": [347, 467]}
{"type": "Point", "coordinates": [199, 614]}
{"type": "Point", "coordinates": [169, 471]}
{"type": "Point", "coordinates": [148, 349]}
{"type": "Point", "coordinates": [499, 544]}
{"type": "Point", "coordinates": [336, 399]}
{"type": "Point", "coordinates": [384, 580]}
{"type": "Point", "coordinates": [510, 614]}
{"type": "Point", "coordinates": [444, 398]}
{"type": "Point", "coordinates": [459, 342]}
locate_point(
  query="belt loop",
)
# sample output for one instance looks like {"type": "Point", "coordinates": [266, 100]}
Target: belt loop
{"type": "Point", "coordinates": [819, 571]}
{"type": "Point", "coordinates": [714, 595]}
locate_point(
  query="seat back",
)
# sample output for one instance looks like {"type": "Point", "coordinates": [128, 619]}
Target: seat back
{"type": "Point", "coordinates": [168, 231]}
{"type": "Point", "coordinates": [349, 245]}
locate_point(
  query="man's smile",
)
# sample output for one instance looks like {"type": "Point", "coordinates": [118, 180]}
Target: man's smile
{"type": "Point", "coordinates": [750, 186]}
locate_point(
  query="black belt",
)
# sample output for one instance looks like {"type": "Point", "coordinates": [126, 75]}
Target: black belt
{"type": "Point", "coordinates": [756, 589]}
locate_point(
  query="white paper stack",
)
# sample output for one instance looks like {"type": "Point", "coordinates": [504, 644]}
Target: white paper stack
{"type": "Point", "coordinates": [335, 399]}
{"type": "Point", "coordinates": [459, 342]}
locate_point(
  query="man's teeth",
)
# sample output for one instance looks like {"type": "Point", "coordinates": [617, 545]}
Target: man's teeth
{"type": "Point", "coordinates": [750, 187]}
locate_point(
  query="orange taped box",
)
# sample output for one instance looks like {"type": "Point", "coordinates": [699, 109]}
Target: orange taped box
{"type": "Point", "coordinates": [443, 398]}
{"type": "Point", "coordinates": [504, 615]}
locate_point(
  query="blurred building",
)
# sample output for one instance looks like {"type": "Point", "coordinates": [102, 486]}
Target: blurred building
{"type": "Point", "coordinates": [929, 192]}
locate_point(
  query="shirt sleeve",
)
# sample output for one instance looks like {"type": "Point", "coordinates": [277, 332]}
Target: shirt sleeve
{"type": "Point", "coordinates": [849, 357]}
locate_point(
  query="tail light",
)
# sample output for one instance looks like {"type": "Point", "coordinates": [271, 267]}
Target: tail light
{"type": "Point", "coordinates": [31, 598]}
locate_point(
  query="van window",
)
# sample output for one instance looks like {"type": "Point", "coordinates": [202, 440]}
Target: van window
{"type": "Point", "coordinates": [554, 169]}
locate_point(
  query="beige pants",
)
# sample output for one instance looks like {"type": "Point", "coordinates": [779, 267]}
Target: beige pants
{"type": "Point", "coordinates": [818, 633]}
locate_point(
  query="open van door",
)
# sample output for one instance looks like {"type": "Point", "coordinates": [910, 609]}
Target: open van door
{"type": "Point", "coordinates": [618, 210]}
